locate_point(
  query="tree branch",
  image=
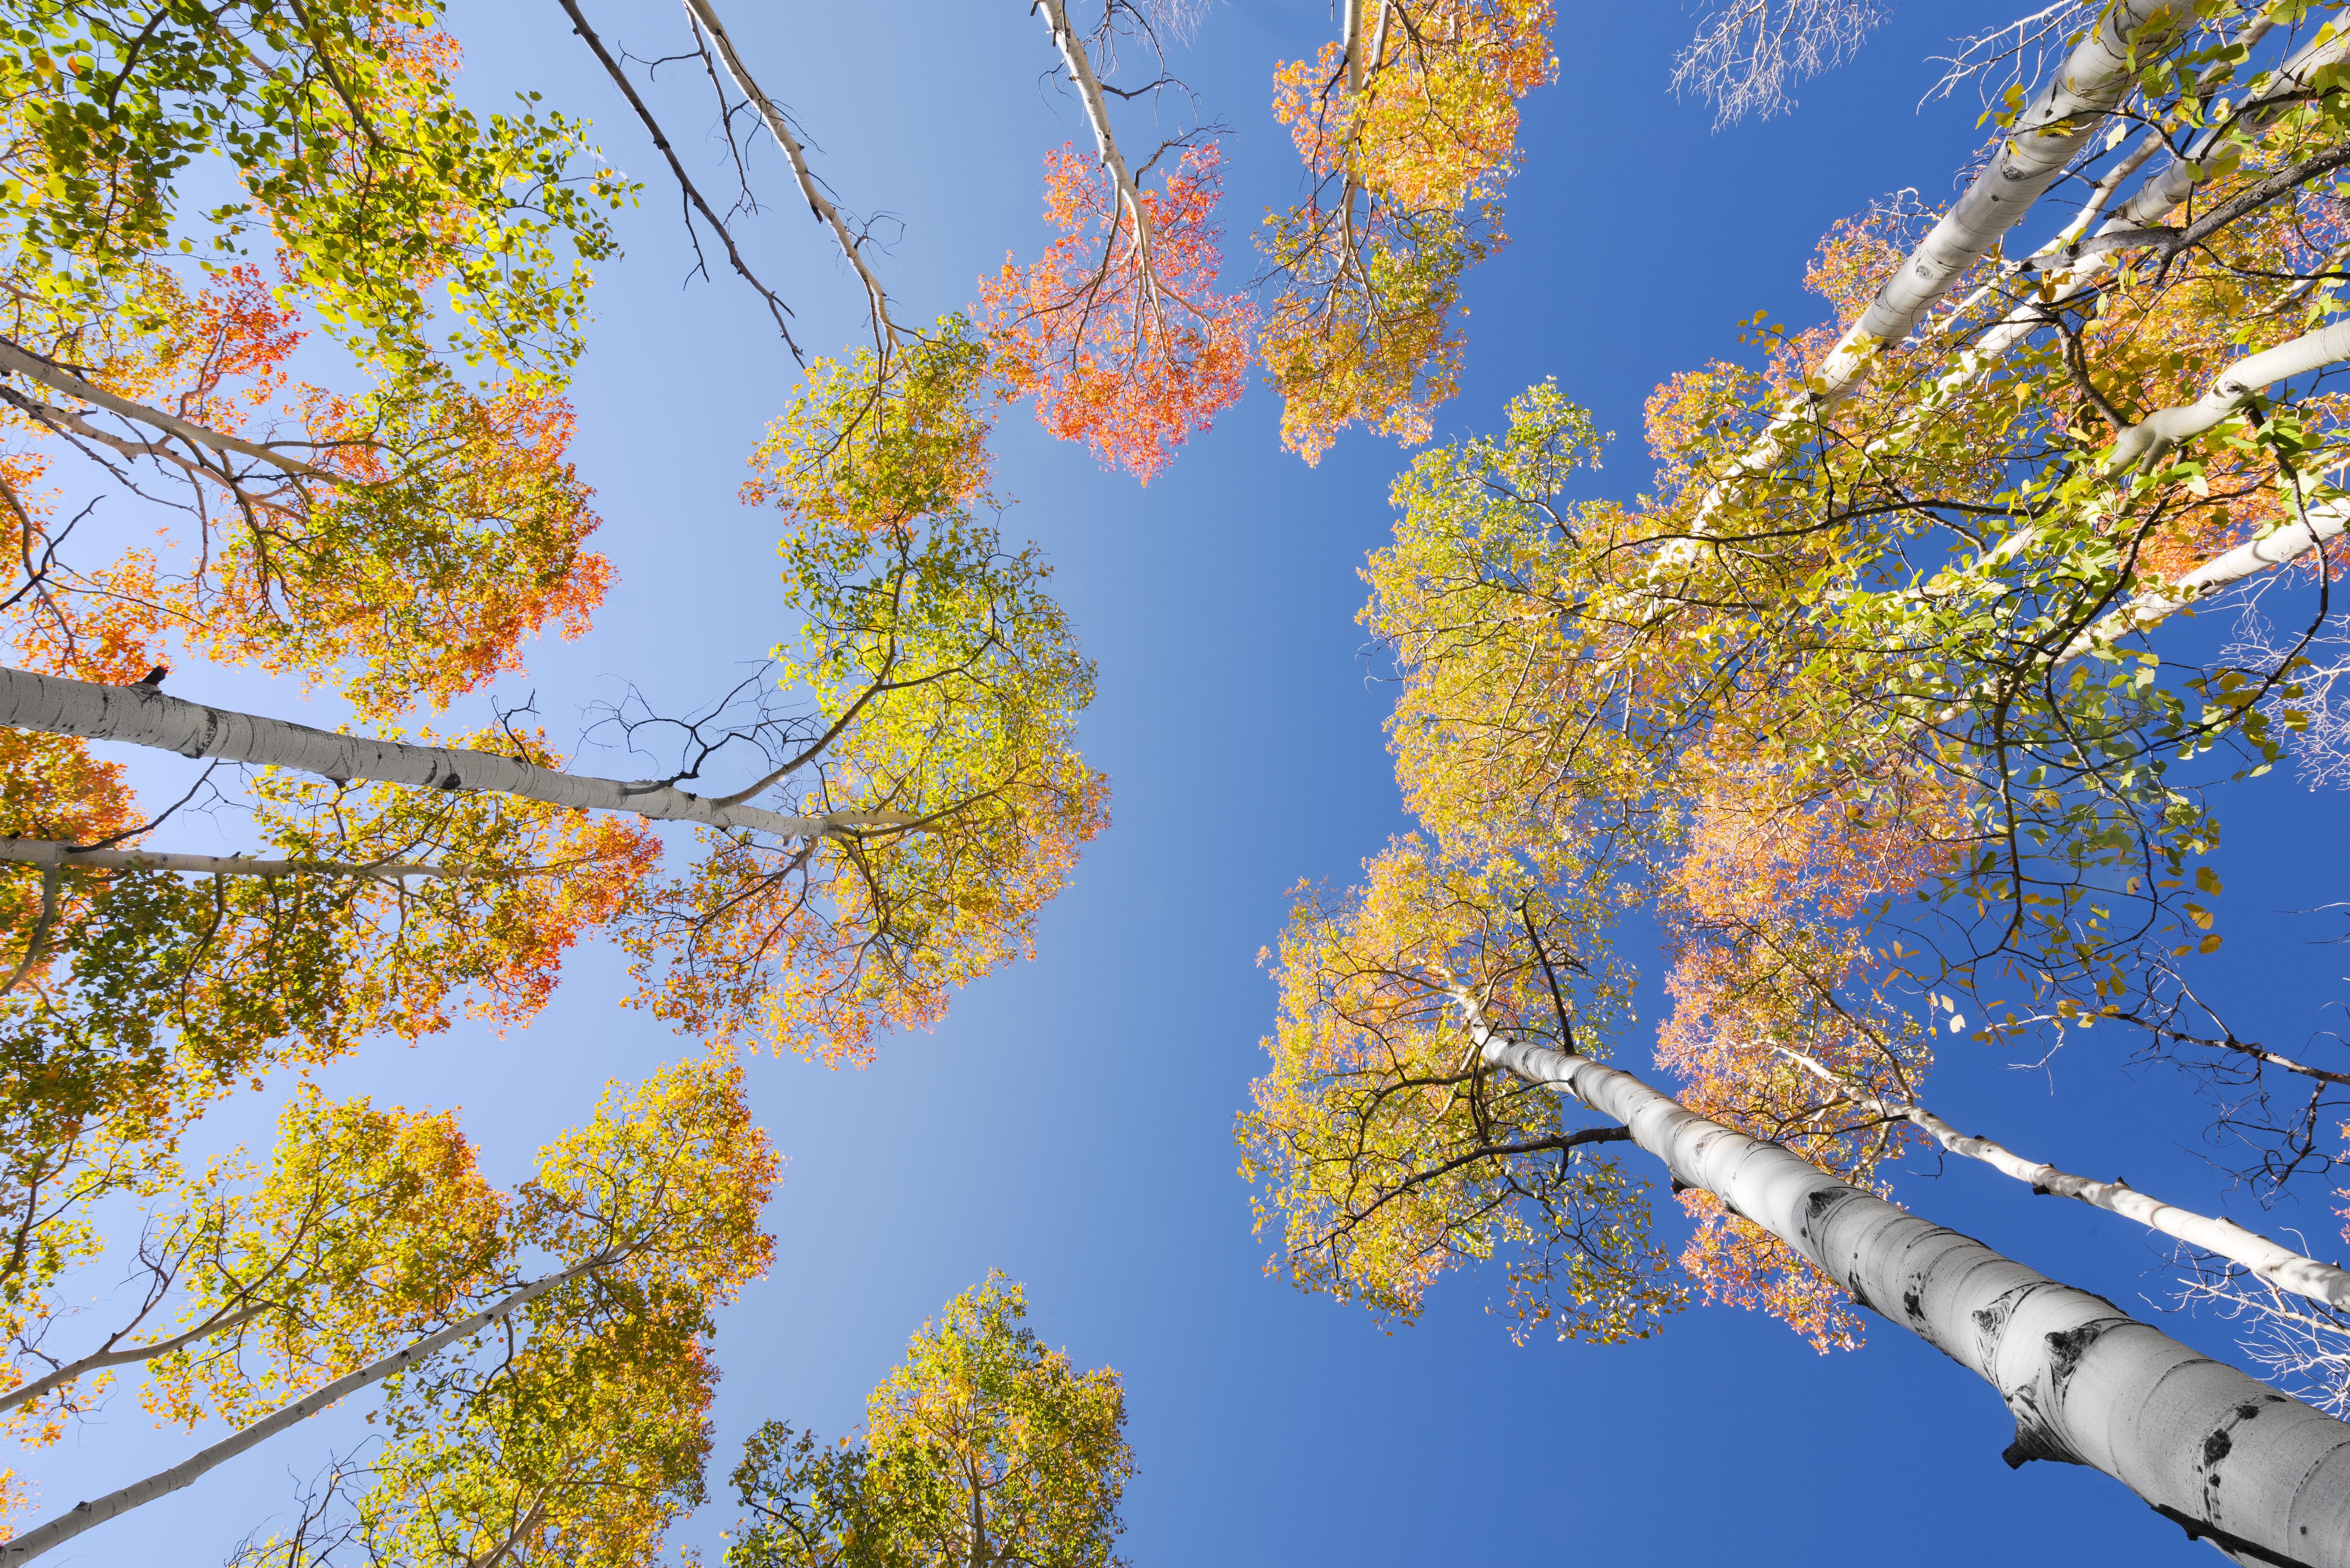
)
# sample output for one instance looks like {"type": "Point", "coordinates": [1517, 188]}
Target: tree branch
{"type": "Point", "coordinates": [775, 305]}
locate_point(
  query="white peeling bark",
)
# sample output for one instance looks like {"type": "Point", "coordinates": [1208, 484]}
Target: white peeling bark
{"type": "Point", "coordinates": [140, 715]}
{"type": "Point", "coordinates": [84, 1516]}
{"type": "Point", "coordinates": [15, 359]}
{"type": "Point", "coordinates": [2092, 82]}
{"type": "Point", "coordinates": [2250, 560]}
{"type": "Point", "coordinates": [54, 853]}
{"type": "Point", "coordinates": [1089, 93]}
{"type": "Point", "coordinates": [2175, 182]}
{"type": "Point", "coordinates": [885, 330]}
{"type": "Point", "coordinates": [2231, 393]}
{"type": "Point", "coordinates": [2093, 79]}
{"type": "Point", "coordinates": [2150, 204]}
{"type": "Point", "coordinates": [2224, 1455]}
{"type": "Point", "coordinates": [2277, 1264]}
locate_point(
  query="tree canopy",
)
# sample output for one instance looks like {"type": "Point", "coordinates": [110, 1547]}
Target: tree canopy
{"type": "Point", "coordinates": [1877, 711]}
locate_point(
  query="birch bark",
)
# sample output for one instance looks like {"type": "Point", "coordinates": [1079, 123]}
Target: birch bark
{"type": "Point", "coordinates": [2093, 79]}
{"type": "Point", "coordinates": [1089, 93]}
{"type": "Point", "coordinates": [2276, 1264]}
{"type": "Point", "coordinates": [143, 716]}
{"type": "Point", "coordinates": [2248, 559]}
{"type": "Point", "coordinates": [2232, 392]}
{"type": "Point", "coordinates": [2266, 1478]}
{"type": "Point", "coordinates": [2059, 123]}
{"type": "Point", "coordinates": [51, 853]}
{"type": "Point", "coordinates": [17, 361]}
{"type": "Point", "coordinates": [84, 1516]}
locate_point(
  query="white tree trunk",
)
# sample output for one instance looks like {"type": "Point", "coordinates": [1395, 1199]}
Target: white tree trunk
{"type": "Point", "coordinates": [2064, 116]}
{"type": "Point", "coordinates": [17, 360]}
{"type": "Point", "coordinates": [49, 852]}
{"type": "Point", "coordinates": [2274, 1263]}
{"type": "Point", "coordinates": [2230, 394]}
{"type": "Point", "coordinates": [140, 715]}
{"type": "Point", "coordinates": [87, 1515]}
{"type": "Point", "coordinates": [2155, 196]}
{"type": "Point", "coordinates": [2267, 553]}
{"type": "Point", "coordinates": [2207, 1447]}
{"type": "Point", "coordinates": [1089, 93]}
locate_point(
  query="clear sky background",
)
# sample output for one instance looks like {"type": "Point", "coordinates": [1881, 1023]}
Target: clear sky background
{"type": "Point", "coordinates": [1071, 1122]}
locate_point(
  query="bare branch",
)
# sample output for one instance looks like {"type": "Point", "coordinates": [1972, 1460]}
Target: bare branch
{"type": "Point", "coordinates": [775, 305]}
{"type": "Point", "coordinates": [705, 18]}
{"type": "Point", "coordinates": [1749, 54]}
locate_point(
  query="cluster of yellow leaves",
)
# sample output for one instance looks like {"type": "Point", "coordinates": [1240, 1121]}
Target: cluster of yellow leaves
{"type": "Point", "coordinates": [981, 1446]}
{"type": "Point", "coordinates": [575, 1433]}
{"type": "Point", "coordinates": [399, 212]}
{"type": "Point", "coordinates": [866, 447]}
{"type": "Point", "coordinates": [368, 1227]}
{"type": "Point", "coordinates": [946, 686]}
{"type": "Point", "coordinates": [585, 1441]}
{"type": "Point", "coordinates": [141, 997]}
{"type": "Point", "coordinates": [1387, 1154]}
{"type": "Point", "coordinates": [1409, 150]}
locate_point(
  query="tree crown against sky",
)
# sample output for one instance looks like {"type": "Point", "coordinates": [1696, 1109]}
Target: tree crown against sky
{"type": "Point", "coordinates": [1870, 698]}
{"type": "Point", "coordinates": [981, 1447]}
{"type": "Point", "coordinates": [391, 533]}
{"type": "Point", "coordinates": [927, 796]}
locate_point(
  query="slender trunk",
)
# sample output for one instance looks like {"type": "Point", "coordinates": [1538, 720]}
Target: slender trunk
{"type": "Point", "coordinates": [2250, 560]}
{"type": "Point", "coordinates": [685, 184]}
{"type": "Point", "coordinates": [32, 369]}
{"type": "Point", "coordinates": [2092, 82]}
{"type": "Point", "coordinates": [99, 1361]}
{"type": "Point", "coordinates": [2144, 442]}
{"type": "Point", "coordinates": [2150, 204]}
{"type": "Point", "coordinates": [38, 942]}
{"type": "Point", "coordinates": [51, 853]}
{"type": "Point", "coordinates": [979, 1551]}
{"type": "Point", "coordinates": [87, 1515]}
{"type": "Point", "coordinates": [2073, 275]}
{"type": "Point", "coordinates": [143, 716]}
{"type": "Point", "coordinates": [2263, 1477]}
{"type": "Point", "coordinates": [885, 331]}
{"type": "Point", "coordinates": [2277, 1265]}
{"type": "Point", "coordinates": [1089, 92]}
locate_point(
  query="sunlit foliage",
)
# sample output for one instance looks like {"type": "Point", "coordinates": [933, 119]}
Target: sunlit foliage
{"type": "Point", "coordinates": [981, 1446]}
{"type": "Point", "coordinates": [1117, 330]}
{"type": "Point", "coordinates": [1407, 142]}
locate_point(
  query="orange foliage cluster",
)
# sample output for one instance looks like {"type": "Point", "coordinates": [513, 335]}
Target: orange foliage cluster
{"type": "Point", "coordinates": [1738, 1264]}
{"type": "Point", "coordinates": [442, 530]}
{"type": "Point", "coordinates": [1117, 331]}
{"type": "Point", "coordinates": [1760, 839]}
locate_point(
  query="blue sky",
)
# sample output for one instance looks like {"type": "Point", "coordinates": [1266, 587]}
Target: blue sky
{"type": "Point", "coordinates": [1071, 1121]}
